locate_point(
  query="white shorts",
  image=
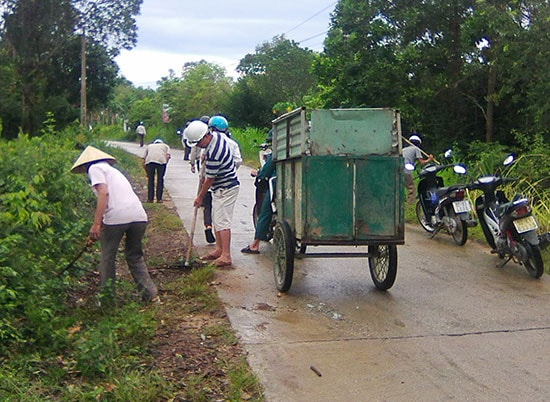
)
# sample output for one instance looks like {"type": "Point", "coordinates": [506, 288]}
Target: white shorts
{"type": "Point", "coordinates": [223, 204]}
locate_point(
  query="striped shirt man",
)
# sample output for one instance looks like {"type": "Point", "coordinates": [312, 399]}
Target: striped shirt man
{"type": "Point", "coordinates": [220, 164]}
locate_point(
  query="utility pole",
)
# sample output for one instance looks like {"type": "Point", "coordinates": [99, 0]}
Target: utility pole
{"type": "Point", "coordinates": [83, 103]}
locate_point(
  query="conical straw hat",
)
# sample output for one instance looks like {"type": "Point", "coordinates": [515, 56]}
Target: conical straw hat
{"type": "Point", "coordinates": [90, 154]}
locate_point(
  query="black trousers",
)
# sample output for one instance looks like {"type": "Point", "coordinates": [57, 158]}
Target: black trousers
{"type": "Point", "coordinates": [158, 170]}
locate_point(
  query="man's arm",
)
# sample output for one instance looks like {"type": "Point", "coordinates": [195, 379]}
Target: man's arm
{"type": "Point", "coordinates": [204, 188]}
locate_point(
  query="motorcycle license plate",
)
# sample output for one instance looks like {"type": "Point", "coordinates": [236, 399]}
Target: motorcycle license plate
{"type": "Point", "coordinates": [462, 206]}
{"type": "Point", "coordinates": [525, 224]}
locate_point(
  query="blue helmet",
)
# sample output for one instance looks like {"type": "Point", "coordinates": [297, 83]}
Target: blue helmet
{"type": "Point", "coordinates": [219, 123]}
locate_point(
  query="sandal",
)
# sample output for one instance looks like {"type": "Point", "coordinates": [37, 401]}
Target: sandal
{"type": "Point", "coordinates": [248, 250]}
{"type": "Point", "coordinates": [210, 257]}
{"type": "Point", "coordinates": [219, 263]}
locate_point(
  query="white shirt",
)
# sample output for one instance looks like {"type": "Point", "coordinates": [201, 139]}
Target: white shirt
{"type": "Point", "coordinates": [124, 205]}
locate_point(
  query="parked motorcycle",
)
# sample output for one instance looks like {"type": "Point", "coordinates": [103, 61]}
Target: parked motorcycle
{"type": "Point", "coordinates": [509, 226]}
{"type": "Point", "coordinates": [441, 208]}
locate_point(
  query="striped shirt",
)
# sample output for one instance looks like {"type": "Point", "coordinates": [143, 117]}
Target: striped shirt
{"type": "Point", "coordinates": [220, 163]}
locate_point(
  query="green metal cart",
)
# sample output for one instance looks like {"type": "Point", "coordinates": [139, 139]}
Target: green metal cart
{"type": "Point", "coordinates": [339, 183]}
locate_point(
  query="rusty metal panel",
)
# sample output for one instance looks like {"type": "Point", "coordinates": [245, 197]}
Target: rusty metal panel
{"type": "Point", "coordinates": [344, 132]}
{"type": "Point", "coordinates": [329, 199]}
{"type": "Point", "coordinates": [340, 178]}
{"type": "Point", "coordinates": [354, 132]}
{"type": "Point", "coordinates": [379, 198]}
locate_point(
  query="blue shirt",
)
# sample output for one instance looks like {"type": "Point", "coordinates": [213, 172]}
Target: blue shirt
{"type": "Point", "coordinates": [220, 164]}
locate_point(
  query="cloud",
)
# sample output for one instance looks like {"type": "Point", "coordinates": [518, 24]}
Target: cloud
{"type": "Point", "coordinates": [173, 32]}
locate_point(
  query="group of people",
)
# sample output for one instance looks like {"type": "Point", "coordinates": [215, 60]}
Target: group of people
{"type": "Point", "coordinates": [216, 156]}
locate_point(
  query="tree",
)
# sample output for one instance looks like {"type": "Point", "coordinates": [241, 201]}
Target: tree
{"type": "Point", "coordinates": [108, 22]}
{"type": "Point", "coordinates": [450, 66]}
{"type": "Point", "coordinates": [34, 35]}
{"type": "Point", "coordinates": [202, 89]}
{"type": "Point", "coordinates": [41, 44]}
{"type": "Point", "coordinates": [279, 71]}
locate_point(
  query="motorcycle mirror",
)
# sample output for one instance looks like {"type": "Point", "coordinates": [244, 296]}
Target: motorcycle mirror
{"type": "Point", "coordinates": [460, 169]}
{"type": "Point", "coordinates": [409, 167]}
{"type": "Point", "coordinates": [448, 153]}
{"type": "Point", "coordinates": [509, 160]}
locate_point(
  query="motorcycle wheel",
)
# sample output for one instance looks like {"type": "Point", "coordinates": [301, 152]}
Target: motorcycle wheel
{"type": "Point", "coordinates": [534, 264]}
{"type": "Point", "coordinates": [422, 219]}
{"type": "Point", "coordinates": [460, 234]}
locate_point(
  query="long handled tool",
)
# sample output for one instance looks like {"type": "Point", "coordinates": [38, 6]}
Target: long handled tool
{"type": "Point", "coordinates": [194, 223]}
{"type": "Point", "coordinates": [421, 150]}
{"type": "Point", "coordinates": [75, 259]}
{"type": "Point", "coordinates": [191, 235]}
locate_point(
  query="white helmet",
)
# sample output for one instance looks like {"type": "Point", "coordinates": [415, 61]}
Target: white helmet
{"type": "Point", "coordinates": [415, 138]}
{"type": "Point", "coordinates": [194, 132]}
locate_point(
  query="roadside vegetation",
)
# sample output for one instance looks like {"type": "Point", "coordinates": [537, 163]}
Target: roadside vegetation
{"type": "Point", "coordinates": [472, 77]}
{"type": "Point", "coordinates": [56, 341]}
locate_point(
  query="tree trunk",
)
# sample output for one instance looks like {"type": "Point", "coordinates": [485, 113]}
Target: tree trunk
{"type": "Point", "coordinates": [83, 104]}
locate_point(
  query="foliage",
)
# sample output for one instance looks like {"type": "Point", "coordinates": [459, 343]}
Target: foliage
{"type": "Point", "coordinates": [458, 71]}
{"type": "Point", "coordinates": [41, 56]}
{"type": "Point", "coordinates": [202, 89]}
{"type": "Point", "coordinates": [249, 140]}
{"type": "Point", "coordinates": [279, 71]}
{"type": "Point", "coordinates": [45, 215]}
{"type": "Point", "coordinates": [110, 22]}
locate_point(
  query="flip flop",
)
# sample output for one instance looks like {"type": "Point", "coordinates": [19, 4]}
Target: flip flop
{"type": "Point", "coordinates": [210, 257]}
{"type": "Point", "coordinates": [219, 264]}
{"type": "Point", "coordinates": [248, 250]}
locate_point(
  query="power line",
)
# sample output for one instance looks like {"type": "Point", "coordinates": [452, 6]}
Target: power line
{"type": "Point", "coordinates": [310, 18]}
{"type": "Point", "coordinates": [312, 37]}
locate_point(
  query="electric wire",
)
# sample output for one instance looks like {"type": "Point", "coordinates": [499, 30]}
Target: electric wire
{"type": "Point", "coordinates": [310, 18]}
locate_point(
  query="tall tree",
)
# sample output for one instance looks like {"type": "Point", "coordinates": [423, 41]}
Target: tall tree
{"type": "Point", "coordinates": [35, 34]}
{"type": "Point", "coordinates": [108, 22]}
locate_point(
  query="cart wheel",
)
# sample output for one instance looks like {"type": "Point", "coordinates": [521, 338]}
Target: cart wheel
{"type": "Point", "coordinates": [284, 246]}
{"type": "Point", "coordinates": [383, 265]}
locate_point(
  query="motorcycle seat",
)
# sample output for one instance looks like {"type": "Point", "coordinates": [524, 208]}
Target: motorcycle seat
{"type": "Point", "coordinates": [503, 208]}
{"type": "Point", "coordinates": [442, 191]}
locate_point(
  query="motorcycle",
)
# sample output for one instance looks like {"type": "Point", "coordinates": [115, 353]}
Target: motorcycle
{"type": "Point", "coordinates": [444, 208]}
{"type": "Point", "coordinates": [509, 226]}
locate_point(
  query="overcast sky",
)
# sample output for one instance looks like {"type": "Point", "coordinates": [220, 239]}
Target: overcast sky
{"type": "Point", "coordinates": [173, 32]}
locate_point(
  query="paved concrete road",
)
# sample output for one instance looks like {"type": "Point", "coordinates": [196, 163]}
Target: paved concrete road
{"type": "Point", "coordinates": [453, 327]}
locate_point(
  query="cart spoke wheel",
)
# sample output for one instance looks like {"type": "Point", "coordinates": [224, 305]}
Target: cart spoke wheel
{"type": "Point", "coordinates": [284, 246]}
{"type": "Point", "coordinates": [383, 265]}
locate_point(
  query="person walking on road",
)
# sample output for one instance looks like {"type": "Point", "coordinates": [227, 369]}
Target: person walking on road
{"type": "Point", "coordinates": [411, 154]}
{"type": "Point", "coordinates": [118, 213]}
{"type": "Point", "coordinates": [141, 132]}
{"type": "Point", "coordinates": [155, 161]}
{"type": "Point", "coordinates": [221, 177]}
